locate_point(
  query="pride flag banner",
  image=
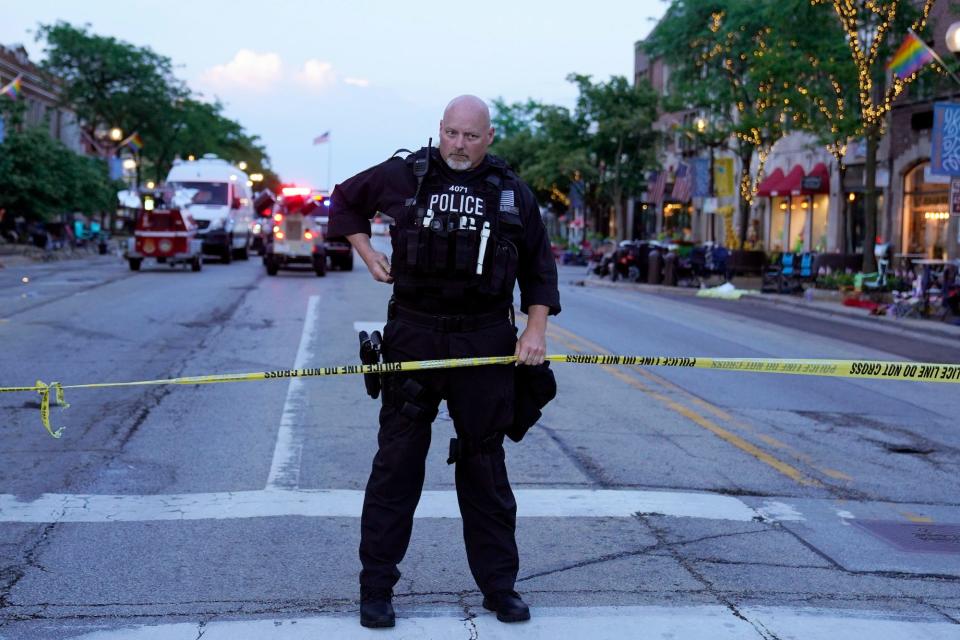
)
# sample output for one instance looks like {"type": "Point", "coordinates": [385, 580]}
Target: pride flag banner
{"type": "Point", "coordinates": [14, 88]}
{"type": "Point", "coordinates": [133, 142]}
{"type": "Point", "coordinates": [913, 55]}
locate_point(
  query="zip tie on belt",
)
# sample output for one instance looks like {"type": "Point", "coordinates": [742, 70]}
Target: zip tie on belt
{"type": "Point", "coordinates": [866, 369]}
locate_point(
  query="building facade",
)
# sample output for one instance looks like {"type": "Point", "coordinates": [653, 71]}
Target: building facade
{"type": "Point", "coordinates": [42, 100]}
{"type": "Point", "coordinates": [803, 203]}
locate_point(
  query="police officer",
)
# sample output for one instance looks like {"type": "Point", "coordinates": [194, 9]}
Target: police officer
{"type": "Point", "coordinates": [465, 230]}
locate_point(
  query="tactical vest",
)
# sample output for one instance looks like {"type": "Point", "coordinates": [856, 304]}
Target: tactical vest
{"type": "Point", "coordinates": [458, 241]}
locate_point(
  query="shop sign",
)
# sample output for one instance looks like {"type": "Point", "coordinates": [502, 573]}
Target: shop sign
{"type": "Point", "coordinates": [811, 183]}
{"type": "Point", "coordinates": [945, 158]}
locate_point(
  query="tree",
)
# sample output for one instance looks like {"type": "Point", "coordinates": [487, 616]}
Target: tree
{"type": "Point", "coordinates": [625, 143]}
{"type": "Point", "coordinates": [871, 30]}
{"type": "Point", "coordinates": [607, 142]}
{"type": "Point", "coordinates": [733, 70]}
{"type": "Point", "coordinates": [41, 178]}
{"type": "Point", "coordinates": [111, 83]}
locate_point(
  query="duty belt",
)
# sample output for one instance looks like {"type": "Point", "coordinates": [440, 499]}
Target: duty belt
{"type": "Point", "coordinates": [452, 324]}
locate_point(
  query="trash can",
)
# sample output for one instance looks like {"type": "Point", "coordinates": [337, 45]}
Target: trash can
{"type": "Point", "coordinates": [670, 269]}
{"type": "Point", "coordinates": [654, 267]}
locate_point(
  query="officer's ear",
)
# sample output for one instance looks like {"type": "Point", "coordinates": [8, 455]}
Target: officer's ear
{"type": "Point", "coordinates": [490, 135]}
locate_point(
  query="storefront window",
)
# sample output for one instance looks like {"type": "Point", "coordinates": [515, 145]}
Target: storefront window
{"type": "Point", "coordinates": [676, 220]}
{"type": "Point", "coordinates": [778, 221]}
{"type": "Point", "coordinates": [925, 215]}
{"type": "Point", "coordinates": [818, 224]}
{"type": "Point", "coordinates": [799, 208]}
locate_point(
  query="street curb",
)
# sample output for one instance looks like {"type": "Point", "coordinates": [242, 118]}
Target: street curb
{"type": "Point", "coordinates": [932, 330]}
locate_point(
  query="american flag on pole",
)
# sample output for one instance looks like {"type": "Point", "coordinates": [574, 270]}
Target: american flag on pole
{"type": "Point", "coordinates": [323, 138]}
{"type": "Point", "coordinates": [658, 184]}
{"type": "Point", "coordinates": [682, 184]}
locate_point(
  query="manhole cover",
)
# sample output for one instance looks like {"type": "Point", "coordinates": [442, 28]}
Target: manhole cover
{"type": "Point", "coordinates": [930, 538]}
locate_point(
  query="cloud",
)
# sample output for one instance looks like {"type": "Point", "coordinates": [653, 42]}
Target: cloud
{"type": "Point", "coordinates": [357, 82]}
{"type": "Point", "coordinates": [247, 70]}
{"type": "Point", "coordinates": [316, 74]}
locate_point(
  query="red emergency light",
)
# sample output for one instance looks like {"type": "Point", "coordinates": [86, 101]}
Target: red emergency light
{"type": "Point", "coordinates": [296, 191]}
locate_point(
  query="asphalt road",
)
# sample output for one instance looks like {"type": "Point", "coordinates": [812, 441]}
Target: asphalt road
{"type": "Point", "coordinates": [701, 504]}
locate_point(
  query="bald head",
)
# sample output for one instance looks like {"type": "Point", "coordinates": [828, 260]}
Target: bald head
{"type": "Point", "coordinates": [465, 132]}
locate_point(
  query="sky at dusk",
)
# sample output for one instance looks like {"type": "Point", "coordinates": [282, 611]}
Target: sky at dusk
{"type": "Point", "coordinates": [375, 74]}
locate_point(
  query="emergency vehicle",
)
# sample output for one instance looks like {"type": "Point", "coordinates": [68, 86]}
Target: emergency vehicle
{"type": "Point", "coordinates": [166, 232]}
{"type": "Point", "coordinates": [296, 237]}
{"type": "Point", "coordinates": [338, 248]}
{"type": "Point", "coordinates": [222, 204]}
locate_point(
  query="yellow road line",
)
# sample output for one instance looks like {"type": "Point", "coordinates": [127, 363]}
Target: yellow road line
{"type": "Point", "coordinates": [716, 411]}
{"type": "Point", "coordinates": [785, 468]}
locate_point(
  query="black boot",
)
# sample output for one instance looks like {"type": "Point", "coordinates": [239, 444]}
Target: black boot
{"type": "Point", "coordinates": [508, 605]}
{"type": "Point", "coordinates": [376, 608]}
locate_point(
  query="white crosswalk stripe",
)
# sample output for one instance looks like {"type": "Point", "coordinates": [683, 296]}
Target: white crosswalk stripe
{"type": "Point", "coordinates": [596, 623]}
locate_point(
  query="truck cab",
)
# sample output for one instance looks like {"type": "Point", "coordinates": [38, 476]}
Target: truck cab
{"type": "Point", "coordinates": [296, 237]}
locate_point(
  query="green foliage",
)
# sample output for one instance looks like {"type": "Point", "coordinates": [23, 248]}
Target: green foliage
{"type": "Point", "coordinates": [605, 144]}
{"type": "Point", "coordinates": [40, 178]}
{"type": "Point", "coordinates": [111, 83]}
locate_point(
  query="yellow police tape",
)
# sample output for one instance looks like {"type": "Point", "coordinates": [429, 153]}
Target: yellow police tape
{"type": "Point", "coordinates": [885, 370]}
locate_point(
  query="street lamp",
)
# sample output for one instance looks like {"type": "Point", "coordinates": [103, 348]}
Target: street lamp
{"type": "Point", "coordinates": [953, 37]}
{"type": "Point", "coordinates": [256, 177]}
{"type": "Point", "coordinates": [116, 134]}
{"type": "Point", "coordinates": [129, 164]}
{"type": "Point", "coordinates": [242, 165]}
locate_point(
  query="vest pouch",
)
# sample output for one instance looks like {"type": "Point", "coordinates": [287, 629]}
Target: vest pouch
{"type": "Point", "coordinates": [439, 246]}
{"type": "Point", "coordinates": [503, 267]}
{"type": "Point", "coordinates": [411, 247]}
{"type": "Point", "coordinates": [465, 251]}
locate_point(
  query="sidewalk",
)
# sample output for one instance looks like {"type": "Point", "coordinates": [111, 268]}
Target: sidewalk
{"type": "Point", "coordinates": [825, 304]}
{"type": "Point", "coordinates": [18, 255]}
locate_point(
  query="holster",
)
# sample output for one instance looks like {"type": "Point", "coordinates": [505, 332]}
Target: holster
{"type": "Point", "coordinates": [370, 347]}
{"type": "Point", "coordinates": [534, 387]}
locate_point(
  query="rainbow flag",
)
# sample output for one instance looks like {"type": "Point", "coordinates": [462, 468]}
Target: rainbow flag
{"type": "Point", "coordinates": [913, 55]}
{"type": "Point", "coordinates": [13, 89]}
{"type": "Point", "coordinates": [133, 142]}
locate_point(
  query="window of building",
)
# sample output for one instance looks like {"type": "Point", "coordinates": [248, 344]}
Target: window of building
{"type": "Point", "coordinates": [925, 214]}
{"type": "Point", "coordinates": [818, 222]}
{"type": "Point", "coordinates": [779, 214]}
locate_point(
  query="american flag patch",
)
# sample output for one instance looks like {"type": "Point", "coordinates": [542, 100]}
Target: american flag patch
{"type": "Point", "coordinates": [506, 198]}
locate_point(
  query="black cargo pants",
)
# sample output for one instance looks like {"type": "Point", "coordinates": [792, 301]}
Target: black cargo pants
{"type": "Point", "coordinates": [480, 402]}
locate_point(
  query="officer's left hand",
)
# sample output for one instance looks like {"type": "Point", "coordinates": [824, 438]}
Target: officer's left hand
{"type": "Point", "coordinates": [532, 346]}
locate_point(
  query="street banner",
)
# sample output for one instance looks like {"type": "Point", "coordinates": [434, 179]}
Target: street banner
{"type": "Point", "coordinates": [945, 156]}
{"type": "Point", "coordinates": [701, 177]}
{"type": "Point", "coordinates": [2, 134]}
{"type": "Point", "coordinates": [723, 178]}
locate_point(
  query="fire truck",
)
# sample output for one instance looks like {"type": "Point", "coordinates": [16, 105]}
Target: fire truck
{"type": "Point", "coordinates": [166, 232]}
{"type": "Point", "coordinates": [296, 238]}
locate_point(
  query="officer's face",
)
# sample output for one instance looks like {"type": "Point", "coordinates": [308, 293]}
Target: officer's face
{"type": "Point", "coordinates": [465, 134]}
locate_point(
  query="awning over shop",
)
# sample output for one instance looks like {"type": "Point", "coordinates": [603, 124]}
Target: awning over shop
{"type": "Point", "coordinates": [817, 181]}
{"type": "Point", "coordinates": [790, 184]}
{"type": "Point", "coordinates": [770, 183]}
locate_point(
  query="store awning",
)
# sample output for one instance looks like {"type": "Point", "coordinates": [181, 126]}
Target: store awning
{"type": "Point", "coordinates": [817, 181]}
{"type": "Point", "coordinates": [791, 184]}
{"type": "Point", "coordinates": [770, 183]}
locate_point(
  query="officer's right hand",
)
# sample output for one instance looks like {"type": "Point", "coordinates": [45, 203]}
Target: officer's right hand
{"type": "Point", "coordinates": [379, 266]}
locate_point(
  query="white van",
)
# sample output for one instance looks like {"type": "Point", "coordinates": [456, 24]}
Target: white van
{"type": "Point", "coordinates": [222, 204]}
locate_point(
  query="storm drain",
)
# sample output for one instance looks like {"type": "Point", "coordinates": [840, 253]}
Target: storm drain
{"type": "Point", "coordinates": [929, 538]}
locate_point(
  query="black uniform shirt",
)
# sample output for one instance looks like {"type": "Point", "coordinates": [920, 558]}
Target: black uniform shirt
{"type": "Point", "coordinates": [385, 188]}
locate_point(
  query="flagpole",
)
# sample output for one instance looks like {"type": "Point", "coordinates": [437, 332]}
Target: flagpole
{"type": "Point", "coordinates": [329, 162]}
{"type": "Point", "coordinates": [939, 60]}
